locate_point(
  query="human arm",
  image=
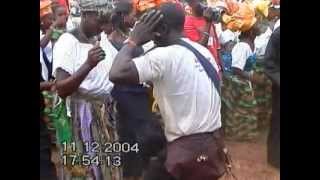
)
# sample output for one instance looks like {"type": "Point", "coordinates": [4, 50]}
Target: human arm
{"type": "Point", "coordinates": [241, 73]}
{"type": "Point", "coordinates": [46, 86]}
{"type": "Point", "coordinates": [123, 69]}
{"type": "Point", "coordinates": [67, 83]}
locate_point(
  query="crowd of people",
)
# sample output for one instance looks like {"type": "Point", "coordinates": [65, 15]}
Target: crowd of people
{"type": "Point", "coordinates": [149, 89]}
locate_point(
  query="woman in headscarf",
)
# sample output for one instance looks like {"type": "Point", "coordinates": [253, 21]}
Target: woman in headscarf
{"type": "Point", "coordinates": [53, 19]}
{"type": "Point", "coordinates": [239, 101]}
{"type": "Point", "coordinates": [267, 16]}
{"type": "Point", "coordinates": [46, 29]}
{"type": "Point", "coordinates": [81, 69]}
{"type": "Point", "coordinates": [134, 116]}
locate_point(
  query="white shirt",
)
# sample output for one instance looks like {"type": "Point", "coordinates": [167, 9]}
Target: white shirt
{"type": "Point", "coordinates": [48, 49]}
{"type": "Point", "coordinates": [276, 25]}
{"type": "Point", "coordinates": [189, 102]}
{"type": "Point", "coordinates": [261, 42]}
{"type": "Point", "coordinates": [44, 69]}
{"type": "Point", "coordinates": [240, 53]}
{"type": "Point", "coordinates": [70, 54]}
{"type": "Point", "coordinates": [227, 36]}
{"type": "Point", "coordinates": [109, 49]}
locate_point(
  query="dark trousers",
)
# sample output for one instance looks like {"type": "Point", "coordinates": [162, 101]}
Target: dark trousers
{"type": "Point", "coordinates": [47, 168]}
{"type": "Point", "coordinates": [134, 121]}
{"type": "Point", "coordinates": [274, 133]}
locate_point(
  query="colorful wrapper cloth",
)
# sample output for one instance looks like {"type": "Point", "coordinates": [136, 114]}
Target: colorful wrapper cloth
{"type": "Point", "coordinates": [45, 8]}
{"type": "Point", "coordinates": [239, 16]}
{"type": "Point", "coordinates": [144, 5]}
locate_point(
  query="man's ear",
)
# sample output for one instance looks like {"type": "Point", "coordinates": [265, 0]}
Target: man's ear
{"type": "Point", "coordinates": [162, 29]}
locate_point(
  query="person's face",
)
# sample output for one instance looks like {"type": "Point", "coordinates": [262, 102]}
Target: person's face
{"type": "Point", "coordinates": [91, 23]}
{"type": "Point", "coordinates": [61, 16]}
{"type": "Point", "coordinates": [107, 28]}
{"type": "Point", "coordinates": [46, 21]}
{"type": "Point", "coordinates": [196, 7]}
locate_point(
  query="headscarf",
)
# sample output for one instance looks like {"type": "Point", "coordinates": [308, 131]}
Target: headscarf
{"type": "Point", "coordinates": [144, 5]}
{"type": "Point", "coordinates": [262, 7]}
{"type": "Point", "coordinates": [100, 6]}
{"type": "Point", "coordinates": [240, 17]}
{"type": "Point", "coordinates": [45, 8]}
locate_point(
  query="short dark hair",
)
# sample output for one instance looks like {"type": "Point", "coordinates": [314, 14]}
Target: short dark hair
{"type": "Point", "coordinates": [173, 15]}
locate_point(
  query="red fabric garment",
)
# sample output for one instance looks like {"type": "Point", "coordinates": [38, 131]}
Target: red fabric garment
{"type": "Point", "coordinates": [193, 27]}
{"type": "Point", "coordinates": [64, 3]}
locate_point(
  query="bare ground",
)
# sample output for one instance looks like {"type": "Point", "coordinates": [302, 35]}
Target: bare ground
{"type": "Point", "coordinates": [250, 160]}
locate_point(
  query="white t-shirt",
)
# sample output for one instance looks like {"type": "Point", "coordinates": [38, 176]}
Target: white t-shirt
{"type": "Point", "coordinates": [240, 53]}
{"type": "Point", "coordinates": [261, 42]}
{"type": "Point", "coordinates": [44, 69]}
{"type": "Point", "coordinates": [70, 54]}
{"type": "Point", "coordinates": [189, 102]}
{"type": "Point", "coordinates": [106, 45]}
{"type": "Point", "coordinates": [48, 48]}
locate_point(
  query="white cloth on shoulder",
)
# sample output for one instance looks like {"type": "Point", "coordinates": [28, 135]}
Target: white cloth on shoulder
{"type": "Point", "coordinates": [240, 53]}
{"type": "Point", "coordinates": [227, 36]}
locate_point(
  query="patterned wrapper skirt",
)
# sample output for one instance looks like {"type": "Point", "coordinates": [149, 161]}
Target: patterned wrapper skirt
{"type": "Point", "coordinates": [101, 130]}
{"type": "Point", "coordinates": [263, 94]}
{"type": "Point", "coordinates": [239, 109]}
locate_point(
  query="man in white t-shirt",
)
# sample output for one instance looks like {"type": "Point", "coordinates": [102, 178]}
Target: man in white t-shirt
{"type": "Point", "coordinates": [188, 100]}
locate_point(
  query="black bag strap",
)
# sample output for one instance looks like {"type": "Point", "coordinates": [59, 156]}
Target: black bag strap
{"type": "Point", "coordinates": [208, 67]}
{"type": "Point", "coordinates": [48, 64]}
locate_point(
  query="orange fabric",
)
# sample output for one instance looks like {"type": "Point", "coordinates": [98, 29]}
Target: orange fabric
{"type": "Point", "coordinates": [45, 7]}
{"type": "Point", "coordinates": [143, 5]}
{"type": "Point", "coordinates": [242, 19]}
{"type": "Point", "coordinates": [232, 6]}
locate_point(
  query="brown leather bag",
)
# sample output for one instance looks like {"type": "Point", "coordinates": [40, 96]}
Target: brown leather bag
{"type": "Point", "coordinates": [197, 157]}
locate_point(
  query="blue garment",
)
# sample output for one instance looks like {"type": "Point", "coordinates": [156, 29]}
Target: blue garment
{"type": "Point", "coordinates": [251, 61]}
{"type": "Point", "coordinates": [226, 58]}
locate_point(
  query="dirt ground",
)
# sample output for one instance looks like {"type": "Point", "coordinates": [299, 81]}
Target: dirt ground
{"type": "Point", "coordinates": [250, 160]}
